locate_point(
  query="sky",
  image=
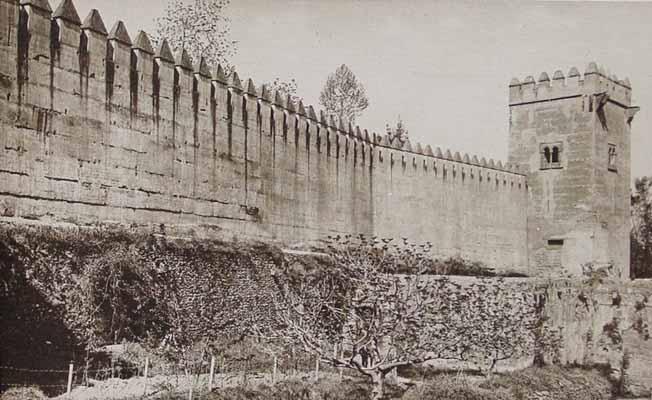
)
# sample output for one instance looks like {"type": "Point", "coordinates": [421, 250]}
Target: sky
{"type": "Point", "coordinates": [443, 66]}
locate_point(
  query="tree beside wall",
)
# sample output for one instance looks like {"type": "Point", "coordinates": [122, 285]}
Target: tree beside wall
{"type": "Point", "coordinates": [641, 236]}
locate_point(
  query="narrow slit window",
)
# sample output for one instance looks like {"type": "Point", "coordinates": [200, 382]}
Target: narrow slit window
{"type": "Point", "coordinates": [555, 242]}
{"type": "Point", "coordinates": [612, 161]}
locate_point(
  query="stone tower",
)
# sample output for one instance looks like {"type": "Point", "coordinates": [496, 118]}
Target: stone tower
{"type": "Point", "coordinates": [571, 136]}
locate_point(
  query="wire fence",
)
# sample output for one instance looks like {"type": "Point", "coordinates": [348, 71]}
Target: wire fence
{"type": "Point", "coordinates": [150, 378]}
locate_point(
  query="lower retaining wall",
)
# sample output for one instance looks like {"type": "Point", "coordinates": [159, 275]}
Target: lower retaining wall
{"type": "Point", "coordinates": [566, 322]}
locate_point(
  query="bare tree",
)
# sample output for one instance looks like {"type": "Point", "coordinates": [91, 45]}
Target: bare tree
{"type": "Point", "coordinates": [399, 133]}
{"type": "Point", "coordinates": [287, 87]}
{"type": "Point", "coordinates": [343, 95]}
{"type": "Point", "coordinates": [363, 316]}
{"type": "Point", "coordinates": [200, 27]}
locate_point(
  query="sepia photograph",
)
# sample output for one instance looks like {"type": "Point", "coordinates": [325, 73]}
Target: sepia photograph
{"type": "Point", "coordinates": [325, 200]}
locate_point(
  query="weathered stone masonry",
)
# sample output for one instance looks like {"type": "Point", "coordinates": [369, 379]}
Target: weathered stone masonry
{"type": "Point", "coordinates": [97, 127]}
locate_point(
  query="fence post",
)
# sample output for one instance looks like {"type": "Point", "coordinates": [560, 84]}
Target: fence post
{"type": "Point", "coordinates": [211, 373]}
{"type": "Point", "coordinates": [317, 368]}
{"type": "Point", "coordinates": [341, 368]}
{"type": "Point", "coordinates": [70, 369]}
{"type": "Point", "coordinates": [146, 367]}
{"type": "Point", "coordinates": [275, 369]}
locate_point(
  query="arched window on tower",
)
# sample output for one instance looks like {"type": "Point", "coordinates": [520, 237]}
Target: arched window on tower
{"type": "Point", "coordinates": [545, 160]}
{"type": "Point", "coordinates": [555, 156]}
{"type": "Point", "coordinates": [551, 155]}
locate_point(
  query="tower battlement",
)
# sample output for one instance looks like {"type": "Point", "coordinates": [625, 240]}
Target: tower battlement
{"type": "Point", "coordinates": [98, 125]}
{"type": "Point", "coordinates": [571, 134]}
{"type": "Point", "coordinates": [595, 80]}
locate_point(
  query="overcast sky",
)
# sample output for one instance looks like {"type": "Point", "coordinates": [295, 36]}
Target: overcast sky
{"type": "Point", "coordinates": [444, 66]}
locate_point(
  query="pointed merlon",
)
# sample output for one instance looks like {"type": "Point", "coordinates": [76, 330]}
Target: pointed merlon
{"type": "Point", "coordinates": [301, 110]}
{"type": "Point", "coordinates": [182, 60]}
{"type": "Point", "coordinates": [234, 81]}
{"type": "Point", "coordinates": [483, 162]}
{"type": "Point", "coordinates": [332, 122]}
{"type": "Point", "coordinates": [627, 83]}
{"type": "Point", "coordinates": [448, 155]}
{"type": "Point", "coordinates": [93, 22]}
{"type": "Point", "coordinates": [384, 141]}
{"type": "Point", "coordinates": [407, 146]}
{"type": "Point", "coordinates": [438, 153]}
{"type": "Point", "coordinates": [397, 145]}
{"type": "Point", "coordinates": [499, 165]}
{"type": "Point", "coordinates": [573, 72]}
{"type": "Point", "coordinates": [358, 133]}
{"type": "Point", "coordinates": [457, 156]}
{"type": "Point", "coordinates": [40, 4]}
{"type": "Point", "coordinates": [514, 82]}
{"type": "Point", "coordinates": [418, 149]}
{"type": "Point", "coordinates": [529, 80]}
{"type": "Point", "coordinates": [466, 158]}
{"type": "Point", "coordinates": [289, 104]}
{"type": "Point", "coordinates": [558, 75]}
{"type": "Point", "coordinates": [475, 160]}
{"type": "Point", "coordinates": [428, 151]}
{"type": "Point", "coordinates": [265, 94]}
{"type": "Point", "coordinates": [602, 71]}
{"type": "Point", "coordinates": [67, 12]}
{"type": "Point", "coordinates": [278, 98]}
{"type": "Point", "coordinates": [322, 117]}
{"type": "Point", "coordinates": [201, 68]}
{"type": "Point", "coordinates": [342, 124]}
{"type": "Point", "coordinates": [367, 138]}
{"type": "Point", "coordinates": [543, 78]}
{"type": "Point", "coordinates": [491, 163]}
{"type": "Point", "coordinates": [311, 114]}
{"type": "Point", "coordinates": [119, 34]}
{"type": "Point", "coordinates": [143, 43]}
{"type": "Point", "coordinates": [164, 52]}
{"type": "Point", "coordinates": [251, 88]}
{"type": "Point", "coordinates": [219, 75]}
{"type": "Point", "coordinates": [592, 68]}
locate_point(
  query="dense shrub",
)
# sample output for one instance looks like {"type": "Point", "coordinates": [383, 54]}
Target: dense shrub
{"type": "Point", "coordinates": [26, 393]}
{"type": "Point", "coordinates": [67, 292]}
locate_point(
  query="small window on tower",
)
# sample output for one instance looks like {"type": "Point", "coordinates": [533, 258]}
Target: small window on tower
{"type": "Point", "coordinates": [555, 242]}
{"type": "Point", "coordinates": [551, 155]}
{"type": "Point", "coordinates": [612, 163]}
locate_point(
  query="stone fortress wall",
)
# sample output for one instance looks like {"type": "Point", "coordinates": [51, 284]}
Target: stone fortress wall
{"type": "Point", "coordinates": [97, 127]}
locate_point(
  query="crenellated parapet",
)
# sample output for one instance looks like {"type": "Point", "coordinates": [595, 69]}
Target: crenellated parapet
{"type": "Point", "coordinates": [595, 80]}
{"type": "Point", "coordinates": [135, 79]}
{"type": "Point", "coordinates": [101, 125]}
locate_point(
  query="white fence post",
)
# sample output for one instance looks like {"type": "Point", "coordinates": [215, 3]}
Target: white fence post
{"type": "Point", "coordinates": [317, 368]}
{"type": "Point", "coordinates": [146, 367]}
{"type": "Point", "coordinates": [275, 369]}
{"type": "Point", "coordinates": [70, 370]}
{"type": "Point", "coordinates": [211, 373]}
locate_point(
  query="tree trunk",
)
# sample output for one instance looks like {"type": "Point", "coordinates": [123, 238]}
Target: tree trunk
{"type": "Point", "coordinates": [377, 379]}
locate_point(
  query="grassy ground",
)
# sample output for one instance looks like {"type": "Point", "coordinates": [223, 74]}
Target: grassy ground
{"type": "Point", "coordinates": [550, 383]}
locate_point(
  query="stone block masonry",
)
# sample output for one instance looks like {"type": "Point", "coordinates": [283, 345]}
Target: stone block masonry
{"type": "Point", "coordinates": [97, 127]}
